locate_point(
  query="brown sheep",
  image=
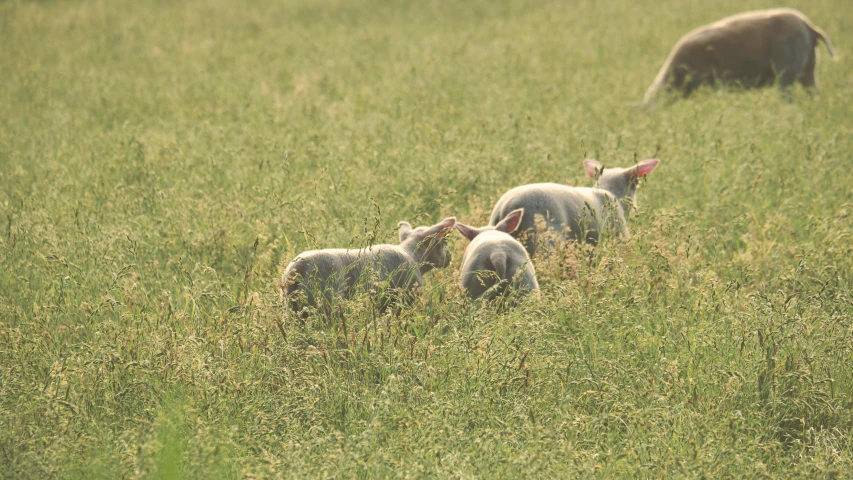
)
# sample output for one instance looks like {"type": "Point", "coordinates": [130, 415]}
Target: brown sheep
{"type": "Point", "coordinates": [751, 50]}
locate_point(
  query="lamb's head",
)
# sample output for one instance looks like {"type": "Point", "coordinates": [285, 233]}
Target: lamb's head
{"type": "Point", "coordinates": [621, 182]}
{"type": "Point", "coordinates": [508, 225]}
{"type": "Point", "coordinates": [427, 243]}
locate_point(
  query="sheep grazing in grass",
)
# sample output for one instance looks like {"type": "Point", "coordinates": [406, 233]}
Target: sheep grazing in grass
{"type": "Point", "coordinates": [575, 212]}
{"type": "Point", "coordinates": [387, 270]}
{"type": "Point", "coordinates": [494, 260]}
{"type": "Point", "coordinates": [750, 50]}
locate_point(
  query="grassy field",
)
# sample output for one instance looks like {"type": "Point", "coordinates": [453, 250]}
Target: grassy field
{"type": "Point", "coordinates": [161, 162]}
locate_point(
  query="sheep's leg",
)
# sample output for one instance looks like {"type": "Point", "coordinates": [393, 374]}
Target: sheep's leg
{"type": "Point", "coordinates": [692, 85]}
{"type": "Point", "coordinates": [496, 290]}
{"type": "Point", "coordinates": [677, 81]}
{"type": "Point", "coordinates": [789, 58]}
{"type": "Point", "coordinates": [399, 289]}
{"type": "Point", "coordinates": [807, 78]}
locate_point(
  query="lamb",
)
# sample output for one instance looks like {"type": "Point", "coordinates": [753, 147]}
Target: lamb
{"type": "Point", "coordinates": [575, 212]}
{"type": "Point", "coordinates": [316, 275]}
{"type": "Point", "coordinates": [504, 260]}
{"type": "Point", "coordinates": [749, 50]}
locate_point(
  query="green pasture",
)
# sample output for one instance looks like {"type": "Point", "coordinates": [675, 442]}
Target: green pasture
{"type": "Point", "coordinates": [162, 161]}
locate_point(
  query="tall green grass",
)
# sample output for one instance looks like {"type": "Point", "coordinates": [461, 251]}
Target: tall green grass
{"type": "Point", "coordinates": [161, 162]}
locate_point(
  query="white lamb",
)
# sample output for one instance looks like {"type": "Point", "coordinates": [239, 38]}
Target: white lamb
{"type": "Point", "coordinates": [494, 260]}
{"type": "Point", "coordinates": [575, 212]}
{"type": "Point", "coordinates": [326, 274]}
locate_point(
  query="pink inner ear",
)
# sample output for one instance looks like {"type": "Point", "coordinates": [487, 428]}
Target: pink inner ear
{"type": "Point", "coordinates": [646, 166]}
{"type": "Point", "coordinates": [445, 227]}
{"type": "Point", "coordinates": [592, 167]}
{"type": "Point", "coordinates": [510, 223]}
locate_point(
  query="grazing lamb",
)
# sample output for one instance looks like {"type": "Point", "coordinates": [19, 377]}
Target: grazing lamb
{"type": "Point", "coordinates": [575, 212]}
{"type": "Point", "coordinates": [494, 251]}
{"type": "Point", "coordinates": [750, 50]}
{"type": "Point", "coordinates": [336, 272]}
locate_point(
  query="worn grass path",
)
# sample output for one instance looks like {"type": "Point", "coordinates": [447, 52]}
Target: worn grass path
{"type": "Point", "coordinates": [160, 162]}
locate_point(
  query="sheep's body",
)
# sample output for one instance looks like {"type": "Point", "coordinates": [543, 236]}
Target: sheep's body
{"type": "Point", "coordinates": [507, 260]}
{"type": "Point", "coordinates": [575, 213]}
{"type": "Point", "coordinates": [335, 273]}
{"type": "Point", "coordinates": [495, 261]}
{"type": "Point", "coordinates": [750, 50]}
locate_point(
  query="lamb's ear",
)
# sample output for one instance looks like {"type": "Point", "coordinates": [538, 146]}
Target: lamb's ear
{"type": "Point", "coordinates": [646, 166]}
{"type": "Point", "coordinates": [511, 222]}
{"type": "Point", "coordinates": [466, 231]}
{"type": "Point", "coordinates": [405, 230]}
{"type": "Point", "coordinates": [442, 228]}
{"type": "Point", "coordinates": [593, 168]}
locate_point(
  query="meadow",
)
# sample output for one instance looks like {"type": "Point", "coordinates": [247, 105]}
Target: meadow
{"type": "Point", "coordinates": [161, 162]}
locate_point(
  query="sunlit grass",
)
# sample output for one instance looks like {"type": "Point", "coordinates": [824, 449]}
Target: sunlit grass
{"type": "Point", "coordinates": [161, 162]}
